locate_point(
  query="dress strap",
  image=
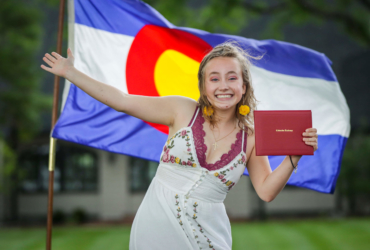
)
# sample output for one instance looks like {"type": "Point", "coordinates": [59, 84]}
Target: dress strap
{"type": "Point", "coordinates": [244, 143]}
{"type": "Point", "coordinates": [194, 117]}
{"type": "Point", "coordinates": [243, 139]}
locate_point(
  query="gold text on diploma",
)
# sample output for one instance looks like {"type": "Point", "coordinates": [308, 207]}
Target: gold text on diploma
{"type": "Point", "coordinates": [284, 130]}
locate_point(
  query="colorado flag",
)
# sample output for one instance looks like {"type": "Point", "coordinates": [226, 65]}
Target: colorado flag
{"type": "Point", "coordinates": [129, 45]}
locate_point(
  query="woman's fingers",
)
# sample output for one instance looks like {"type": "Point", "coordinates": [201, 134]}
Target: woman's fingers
{"type": "Point", "coordinates": [311, 132]}
{"type": "Point", "coordinates": [50, 57]}
{"type": "Point", "coordinates": [69, 52]}
{"type": "Point", "coordinates": [45, 68]}
{"type": "Point", "coordinates": [56, 55]}
{"type": "Point", "coordinates": [50, 63]}
{"type": "Point", "coordinates": [311, 137]}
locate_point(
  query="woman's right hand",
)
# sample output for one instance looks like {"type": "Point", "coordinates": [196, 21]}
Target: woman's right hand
{"type": "Point", "coordinates": [59, 65]}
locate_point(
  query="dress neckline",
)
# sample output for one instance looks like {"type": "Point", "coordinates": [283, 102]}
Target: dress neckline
{"type": "Point", "coordinates": [201, 147]}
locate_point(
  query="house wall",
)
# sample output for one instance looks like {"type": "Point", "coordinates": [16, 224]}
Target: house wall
{"type": "Point", "coordinates": [301, 200]}
{"type": "Point", "coordinates": [113, 200]}
{"type": "Point", "coordinates": [113, 185]}
{"type": "Point", "coordinates": [35, 205]}
{"type": "Point", "coordinates": [240, 202]}
{"type": "Point", "coordinates": [243, 202]}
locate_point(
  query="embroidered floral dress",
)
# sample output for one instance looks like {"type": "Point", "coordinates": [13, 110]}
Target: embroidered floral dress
{"type": "Point", "coordinates": [183, 207]}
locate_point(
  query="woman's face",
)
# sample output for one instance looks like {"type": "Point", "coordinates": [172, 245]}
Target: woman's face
{"type": "Point", "coordinates": [223, 82]}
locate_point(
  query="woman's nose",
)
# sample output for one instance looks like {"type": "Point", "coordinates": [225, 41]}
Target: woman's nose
{"type": "Point", "coordinates": [223, 84]}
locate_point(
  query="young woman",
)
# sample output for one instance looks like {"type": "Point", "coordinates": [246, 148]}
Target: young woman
{"type": "Point", "coordinates": [209, 145]}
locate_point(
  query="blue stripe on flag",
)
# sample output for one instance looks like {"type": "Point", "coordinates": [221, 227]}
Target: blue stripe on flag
{"type": "Point", "coordinates": [318, 172]}
{"type": "Point", "coordinates": [280, 57]}
{"type": "Point", "coordinates": [128, 17]}
{"type": "Point", "coordinates": [117, 16]}
{"type": "Point", "coordinates": [89, 122]}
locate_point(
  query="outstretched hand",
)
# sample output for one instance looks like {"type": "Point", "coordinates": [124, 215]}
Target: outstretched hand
{"type": "Point", "coordinates": [58, 65]}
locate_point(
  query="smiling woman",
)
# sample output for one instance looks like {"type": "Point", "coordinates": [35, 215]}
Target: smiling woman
{"type": "Point", "coordinates": [209, 145]}
{"type": "Point", "coordinates": [224, 77]}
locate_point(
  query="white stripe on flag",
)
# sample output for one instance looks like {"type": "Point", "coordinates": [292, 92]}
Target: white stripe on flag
{"type": "Point", "coordinates": [275, 91]}
{"type": "Point", "coordinates": [101, 55]}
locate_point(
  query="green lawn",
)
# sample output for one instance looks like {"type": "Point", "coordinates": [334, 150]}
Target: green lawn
{"type": "Point", "coordinates": [302, 235]}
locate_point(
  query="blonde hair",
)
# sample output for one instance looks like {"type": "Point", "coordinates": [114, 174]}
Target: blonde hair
{"type": "Point", "coordinates": [233, 50]}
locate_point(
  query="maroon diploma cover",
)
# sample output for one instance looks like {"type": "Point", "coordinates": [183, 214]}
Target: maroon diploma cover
{"type": "Point", "coordinates": [279, 132]}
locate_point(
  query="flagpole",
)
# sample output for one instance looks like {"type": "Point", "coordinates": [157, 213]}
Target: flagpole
{"type": "Point", "coordinates": [54, 118]}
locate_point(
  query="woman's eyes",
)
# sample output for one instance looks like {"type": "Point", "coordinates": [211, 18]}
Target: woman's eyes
{"type": "Point", "coordinates": [231, 78]}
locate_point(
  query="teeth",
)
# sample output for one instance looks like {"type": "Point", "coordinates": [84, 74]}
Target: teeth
{"type": "Point", "coordinates": [223, 96]}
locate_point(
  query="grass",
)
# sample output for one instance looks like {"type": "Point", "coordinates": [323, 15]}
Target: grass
{"type": "Point", "coordinates": [302, 235]}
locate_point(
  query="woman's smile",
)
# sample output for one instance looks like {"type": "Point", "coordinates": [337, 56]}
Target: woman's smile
{"type": "Point", "coordinates": [224, 97]}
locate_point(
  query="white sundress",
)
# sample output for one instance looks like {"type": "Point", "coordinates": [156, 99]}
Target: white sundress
{"type": "Point", "coordinates": [183, 207]}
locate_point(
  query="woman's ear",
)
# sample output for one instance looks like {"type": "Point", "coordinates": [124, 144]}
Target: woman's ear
{"type": "Point", "coordinates": [244, 88]}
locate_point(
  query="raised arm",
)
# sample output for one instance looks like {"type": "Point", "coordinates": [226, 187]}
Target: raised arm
{"type": "Point", "coordinates": [268, 184]}
{"type": "Point", "coordinates": [161, 110]}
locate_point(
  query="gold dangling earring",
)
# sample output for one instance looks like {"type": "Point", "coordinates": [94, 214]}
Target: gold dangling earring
{"type": "Point", "coordinates": [208, 110]}
{"type": "Point", "coordinates": [244, 109]}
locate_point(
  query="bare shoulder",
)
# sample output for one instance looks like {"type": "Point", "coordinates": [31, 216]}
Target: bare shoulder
{"type": "Point", "coordinates": [185, 108]}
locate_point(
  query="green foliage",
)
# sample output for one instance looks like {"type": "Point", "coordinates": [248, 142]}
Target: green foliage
{"type": "Point", "coordinates": [353, 181]}
{"type": "Point", "coordinates": [20, 97]}
{"type": "Point", "coordinates": [21, 100]}
{"type": "Point", "coordinates": [8, 163]}
{"type": "Point", "coordinates": [231, 16]}
{"type": "Point", "coordinates": [8, 158]}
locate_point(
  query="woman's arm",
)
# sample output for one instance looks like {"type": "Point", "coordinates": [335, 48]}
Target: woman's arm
{"type": "Point", "coordinates": [268, 184]}
{"type": "Point", "coordinates": [162, 110]}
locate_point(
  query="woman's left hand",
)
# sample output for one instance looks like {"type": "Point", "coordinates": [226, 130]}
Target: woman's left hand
{"type": "Point", "coordinates": [310, 138]}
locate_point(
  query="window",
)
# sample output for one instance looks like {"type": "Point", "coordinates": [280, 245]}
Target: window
{"type": "Point", "coordinates": [141, 174]}
{"type": "Point", "coordinates": [75, 169]}
{"type": "Point", "coordinates": [78, 170]}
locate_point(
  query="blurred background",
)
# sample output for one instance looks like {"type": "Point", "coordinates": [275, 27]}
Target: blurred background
{"type": "Point", "coordinates": [97, 193]}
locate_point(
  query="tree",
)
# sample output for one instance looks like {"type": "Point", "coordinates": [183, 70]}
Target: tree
{"type": "Point", "coordinates": [233, 15]}
{"type": "Point", "coordinates": [21, 100]}
{"type": "Point", "coordinates": [353, 181]}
